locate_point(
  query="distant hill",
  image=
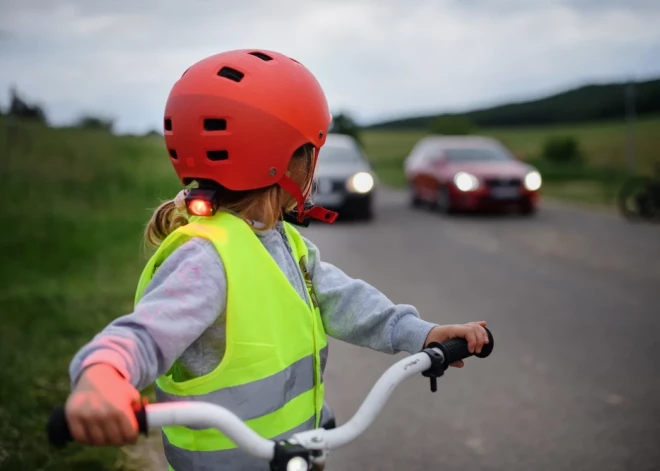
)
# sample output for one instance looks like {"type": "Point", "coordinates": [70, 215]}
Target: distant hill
{"type": "Point", "coordinates": [587, 103]}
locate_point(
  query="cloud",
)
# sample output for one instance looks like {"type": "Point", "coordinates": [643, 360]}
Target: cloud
{"type": "Point", "coordinates": [374, 58]}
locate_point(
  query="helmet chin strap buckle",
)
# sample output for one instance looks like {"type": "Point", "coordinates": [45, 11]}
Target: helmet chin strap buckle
{"type": "Point", "coordinates": [321, 214]}
{"type": "Point", "coordinates": [310, 212]}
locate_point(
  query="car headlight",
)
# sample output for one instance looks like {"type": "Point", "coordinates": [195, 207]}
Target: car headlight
{"type": "Point", "coordinates": [361, 182]}
{"type": "Point", "coordinates": [466, 181]}
{"type": "Point", "coordinates": [533, 181]}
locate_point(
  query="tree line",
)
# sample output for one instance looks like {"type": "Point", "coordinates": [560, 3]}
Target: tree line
{"type": "Point", "coordinates": [21, 108]}
{"type": "Point", "coordinates": [587, 103]}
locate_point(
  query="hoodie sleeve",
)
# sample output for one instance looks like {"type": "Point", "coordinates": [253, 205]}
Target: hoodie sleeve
{"type": "Point", "coordinates": [357, 313]}
{"type": "Point", "coordinates": [186, 296]}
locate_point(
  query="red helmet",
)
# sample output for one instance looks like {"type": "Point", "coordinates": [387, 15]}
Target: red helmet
{"type": "Point", "coordinates": [236, 118]}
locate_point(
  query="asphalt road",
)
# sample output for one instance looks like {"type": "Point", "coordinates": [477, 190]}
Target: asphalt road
{"type": "Point", "coordinates": [573, 300]}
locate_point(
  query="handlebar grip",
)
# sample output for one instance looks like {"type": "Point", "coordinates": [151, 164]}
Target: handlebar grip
{"type": "Point", "coordinates": [457, 349]}
{"type": "Point", "coordinates": [58, 427]}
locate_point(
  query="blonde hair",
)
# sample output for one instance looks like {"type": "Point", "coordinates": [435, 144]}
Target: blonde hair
{"type": "Point", "coordinates": [266, 205]}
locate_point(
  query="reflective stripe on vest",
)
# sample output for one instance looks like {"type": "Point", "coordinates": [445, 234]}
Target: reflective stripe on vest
{"type": "Point", "coordinates": [271, 373]}
{"type": "Point", "coordinates": [236, 459]}
{"type": "Point", "coordinates": [288, 383]}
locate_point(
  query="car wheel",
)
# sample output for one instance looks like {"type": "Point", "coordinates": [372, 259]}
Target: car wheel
{"type": "Point", "coordinates": [414, 200]}
{"type": "Point", "coordinates": [364, 210]}
{"type": "Point", "coordinates": [443, 201]}
{"type": "Point", "coordinates": [528, 209]}
{"type": "Point", "coordinates": [367, 214]}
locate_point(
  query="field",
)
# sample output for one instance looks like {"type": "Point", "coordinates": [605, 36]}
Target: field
{"type": "Point", "coordinates": [604, 145]}
{"type": "Point", "coordinates": [74, 205]}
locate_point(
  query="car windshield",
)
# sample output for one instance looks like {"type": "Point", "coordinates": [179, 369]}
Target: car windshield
{"type": "Point", "coordinates": [338, 155]}
{"type": "Point", "coordinates": [476, 154]}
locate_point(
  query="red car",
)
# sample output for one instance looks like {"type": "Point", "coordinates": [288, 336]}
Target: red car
{"type": "Point", "coordinates": [469, 173]}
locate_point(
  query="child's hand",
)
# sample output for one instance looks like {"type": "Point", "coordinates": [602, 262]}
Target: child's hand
{"type": "Point", "coordinates": [473, 332]}
{"type": "Point", "coordinates": [100, 408]}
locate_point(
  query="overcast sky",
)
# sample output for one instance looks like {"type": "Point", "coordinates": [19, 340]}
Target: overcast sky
{"type": "Point", "coordinates": [375, 58]}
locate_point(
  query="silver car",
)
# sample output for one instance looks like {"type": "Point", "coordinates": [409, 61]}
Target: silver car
{"type": "Point", "coordinates": [344, 181]}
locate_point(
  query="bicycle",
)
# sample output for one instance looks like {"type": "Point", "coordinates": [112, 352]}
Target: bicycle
{"type": "Point", "coordinates": [639, 198]}
{"type": "Point", "coordinates": [305, 450]}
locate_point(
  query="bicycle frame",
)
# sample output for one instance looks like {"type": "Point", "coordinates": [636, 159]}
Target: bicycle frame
{"type": "Point", "coordinates": [304, 450]}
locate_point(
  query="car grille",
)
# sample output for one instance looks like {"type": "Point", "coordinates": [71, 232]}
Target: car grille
{"type": "Point", "coordinates": [503, 182]}
{"type": "Point", "coordinates": [330, 185]}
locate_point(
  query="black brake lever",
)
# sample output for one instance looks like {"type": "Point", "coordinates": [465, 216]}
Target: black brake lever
{"type": "Point", "coordinates": [438, 365]}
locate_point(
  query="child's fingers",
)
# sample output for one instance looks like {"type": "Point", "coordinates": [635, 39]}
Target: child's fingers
{"type": "Point", "coordinates": [112, 431]}
{"type": "Point", "coordinates": [485, 334]}
{"type": "Point", "coordinates": [479, 340]}
{"type": "Point", "coordinates": [482, 338]}
{"type": "Point", "coordinates": [458, 364]}
{"type": "Point", "coordinates": [477, 331]}
{"type": "Point", "coordinates": [482, 334]}
{"type": "Point", "coordinates": [95, 433]}
{"type": "Point", "coordinates": [128, 425]}
{"type": "Point", "coordinates": [471, 337]}
{"type": "Point", "coordinates": [77, 429]}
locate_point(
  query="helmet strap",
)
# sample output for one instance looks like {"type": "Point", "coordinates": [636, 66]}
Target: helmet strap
{"type": "Point", "coordinates": [315, 212]}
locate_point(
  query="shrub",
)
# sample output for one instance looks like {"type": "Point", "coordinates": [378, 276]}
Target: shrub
{"type": "Point", "coordinates": [562, 150]}
{"type": "Point", "coordinates": [96, 123]}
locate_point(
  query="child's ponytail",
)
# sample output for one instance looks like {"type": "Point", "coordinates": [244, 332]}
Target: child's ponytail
{"type": "Point", "coordinates": [165, 220]}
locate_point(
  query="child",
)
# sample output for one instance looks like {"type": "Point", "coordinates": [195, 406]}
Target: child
{"type": "Point", "coordinates": [235, 305]}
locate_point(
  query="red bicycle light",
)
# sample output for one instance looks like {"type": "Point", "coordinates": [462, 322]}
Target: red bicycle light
{"type": "Point", "coordinates": [200, 208]}
{"type": "Point", "coordinates": [201, 202]}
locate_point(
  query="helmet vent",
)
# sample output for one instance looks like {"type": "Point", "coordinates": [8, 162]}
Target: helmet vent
{"type": "Point", "coordinates": [262, 56]}
{"type": "Point", "coordinates": [173, 154]}
{"type": "Point", "coordinates": [168, 124]}
{"type": "Point", "coordinates": [231, 74]}
{"type": "Point", "coordinates": [215, 124]}
{"type": "Point", "coordinates": [216, 155]}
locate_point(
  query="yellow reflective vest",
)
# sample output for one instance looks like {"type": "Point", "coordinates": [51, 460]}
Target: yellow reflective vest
{"type": "Point", "coordinates": [271, 374]}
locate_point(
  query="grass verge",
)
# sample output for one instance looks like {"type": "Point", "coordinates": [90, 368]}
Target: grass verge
{"type": "Point", "coordinates": [74, 207]}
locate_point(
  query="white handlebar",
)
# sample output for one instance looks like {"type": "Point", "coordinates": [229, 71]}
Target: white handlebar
{"type": "Point", "coordinates": [207, 415]}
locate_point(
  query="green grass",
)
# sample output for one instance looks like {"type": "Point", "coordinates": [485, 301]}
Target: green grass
{"type": "Point", "coordinates": [74, 205]}
{"type": "Point", "coordinates": [604, 145]}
